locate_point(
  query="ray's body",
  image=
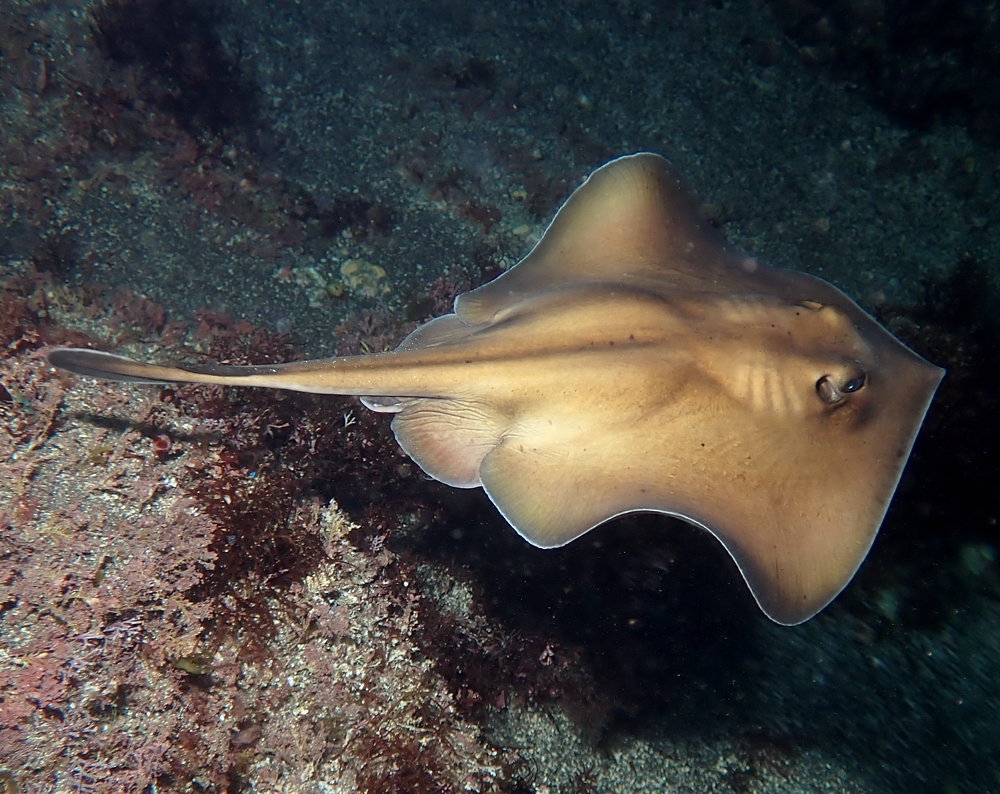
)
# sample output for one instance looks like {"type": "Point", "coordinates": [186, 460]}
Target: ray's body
{"type": "Point", "coordinates": [633, 361]}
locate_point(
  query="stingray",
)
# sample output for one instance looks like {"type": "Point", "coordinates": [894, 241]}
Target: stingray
{"type": "Point", "coordinates": [634, 361]}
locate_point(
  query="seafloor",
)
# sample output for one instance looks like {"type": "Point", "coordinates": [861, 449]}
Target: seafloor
{"type": "Point", "coordinates": [209, 590]}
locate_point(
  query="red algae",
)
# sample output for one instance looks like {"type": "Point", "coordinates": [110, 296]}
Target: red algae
{"type": "Point", "coordinates": [178, 604]}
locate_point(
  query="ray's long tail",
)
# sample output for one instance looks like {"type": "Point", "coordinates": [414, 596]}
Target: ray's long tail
{"type": "Point", "coordinates": [353, 375]}
{"type": "Point", "coordinates": [105, 366]}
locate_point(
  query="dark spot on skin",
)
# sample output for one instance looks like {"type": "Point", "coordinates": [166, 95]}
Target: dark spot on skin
{"type": "Point", "coordinates": [631, 336]}
{"type": "Point", "coordinates": [612, 343]}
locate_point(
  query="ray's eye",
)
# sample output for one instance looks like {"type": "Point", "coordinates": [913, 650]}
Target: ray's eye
{"type": "Point", "coordinates": [831, 389]}
{"type": "Point", "coordinates": [854, 383]}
